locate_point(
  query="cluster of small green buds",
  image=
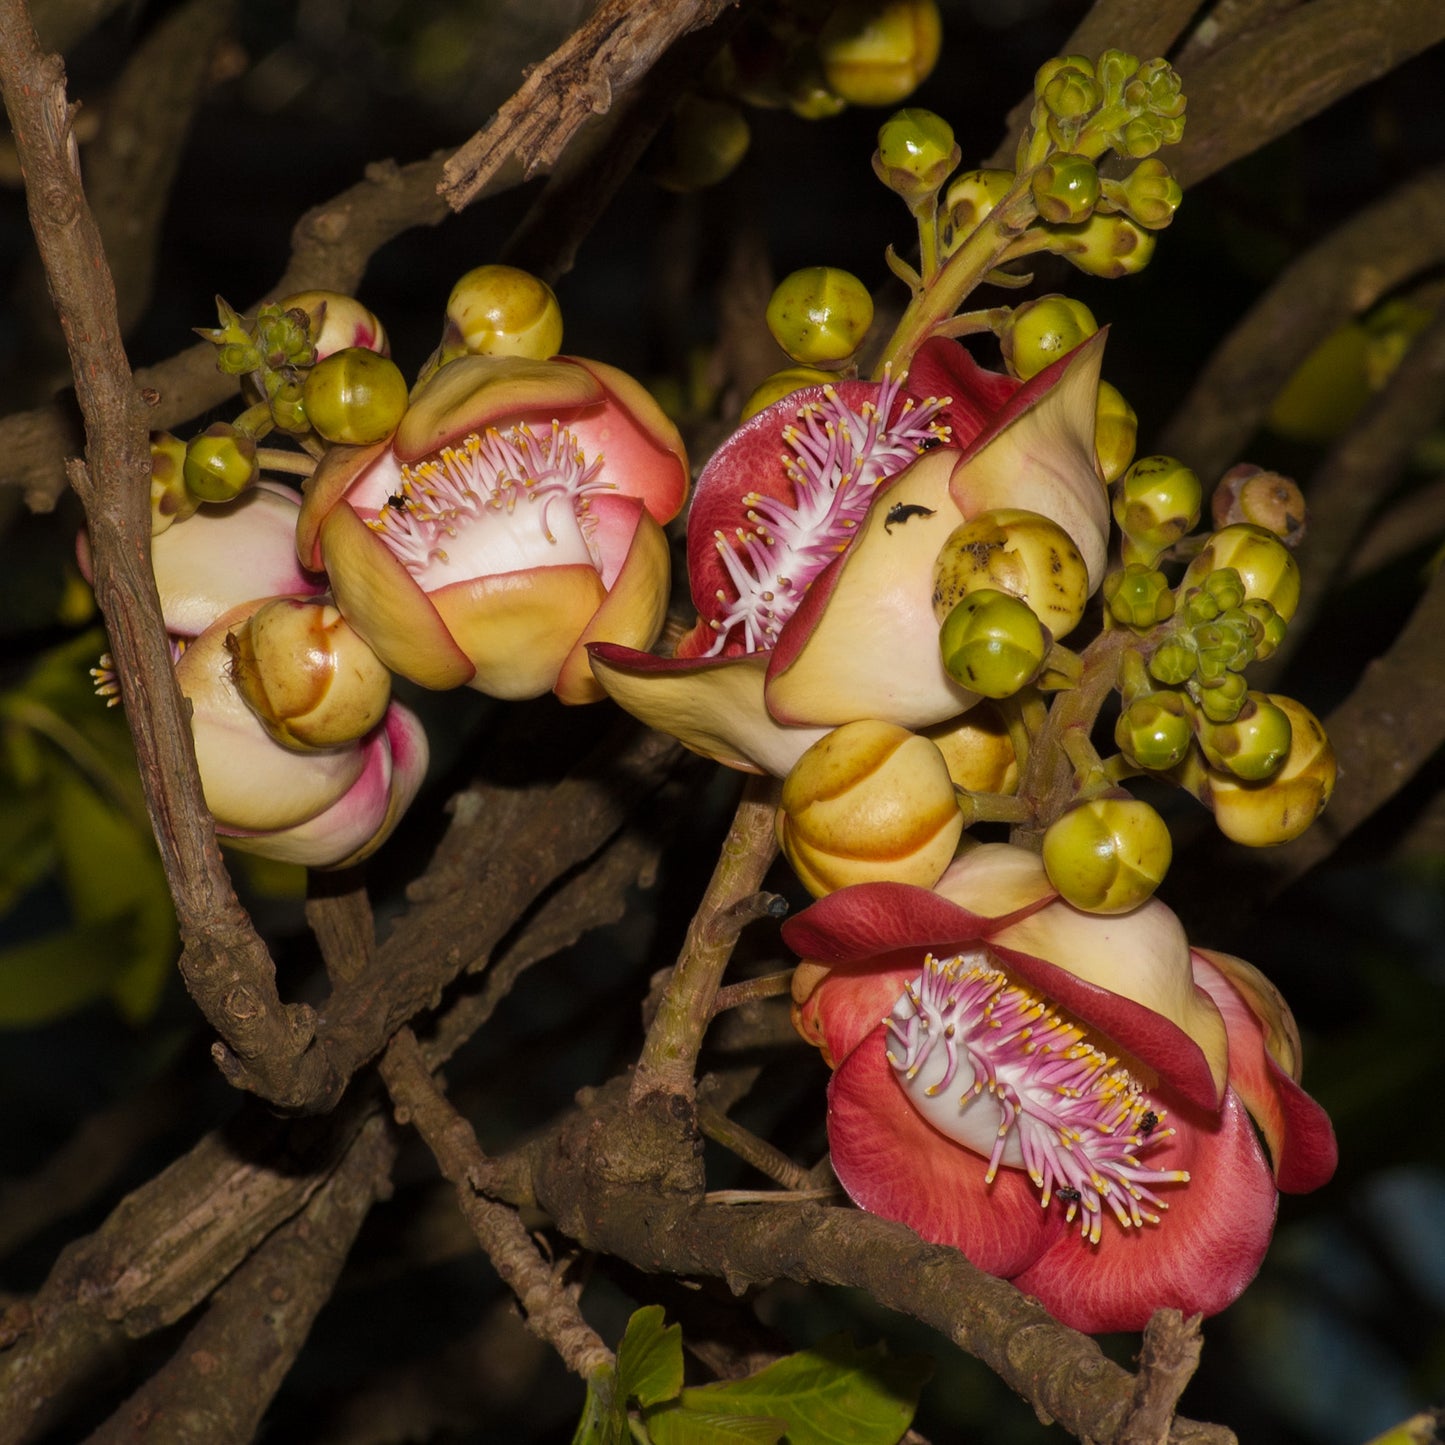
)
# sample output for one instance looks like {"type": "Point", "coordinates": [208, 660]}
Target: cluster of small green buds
{"type": "Point", "coordinates": [820, 315]}
{"type": "Point", "coordinates": [171, 499]}
{"type": "Point", "coordinates": [1107, 855]}
{"type": "Point", "coordinates": [916, 154]}
{"type": "Point", "coordinates": [1039, 332]}
{"type": "Point", "coordinates": [1266, 569]}
{"type": "Point", "coordinates": [967, 203]}
{"type": "Point", "coordinates": [354, 397]}
{"type": "Point", "coordinates": [992, 643]}
{"type": "Point", "coordinates": [1138, 596]}
{"type": "Point", "coordinates": [1155, 730]}
{"type": "Point", "coordinates": [704, 141]}
{"type": "Point", "coordinates": [1117, 103]}
{"type": "Point", "coordinates": [1156, 502]}
{"type": "Point", "coordinates": [877, 52]}
{"type": "Point", "coordinates": [1116, 433]}
{"type": "Point", "coordinates": [220, 463]}
{"type": "Point", "coordinates": [1247, 493]}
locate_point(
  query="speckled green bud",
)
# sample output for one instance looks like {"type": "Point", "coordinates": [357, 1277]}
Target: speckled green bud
{"type": "Point", "coordinates": [355, 396]}
{"type": "Point", "coordinates": [1138, 596]}
{"type": "Point", "coordinates": [1108, 855]}
{"type": "Point", "coordinates": [1156, 502]}
{"type": "Point", "coordinates": [1173, 662]}
{"type": "Point", "coordinates": [967, 203]}
{"type": "Point", "coordinates": [1066, 189]}
{"type": "Point", "coordinates": [992, 643]}
{"type": "Point", "coordinates": [916, 153]}
{"type": "Point", "coordinates": [1252, 745]}
{"type": "Point", "coordinates": [1154, 731]}
{"type": "Point", "coordinates": [1104, 245]}
{"type": "Point", "coordinates": [1263, 562]}
{"type": "Point", "coordinates": [1038, 333]}
{"type": "Point", "coordinates": [820, 315]}
{"type": "Point", "coordinates": [220, 463]}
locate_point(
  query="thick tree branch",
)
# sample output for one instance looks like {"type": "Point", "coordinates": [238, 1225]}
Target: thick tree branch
{"type": "Point", "coordinates": [1167, 1362]}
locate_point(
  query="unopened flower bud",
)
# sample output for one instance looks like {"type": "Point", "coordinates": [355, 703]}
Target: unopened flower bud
{"type": "Point", "coordinates": [1173, 662]}
{"type": "Point", "coordinates": [338, 321]}
{"type": "Point", "coordinates": [869, 802]}
{"type": "Point", "coordinates": [1022, 553]}
{"type": "Point", "coordinates": [1155, 89]}
{"type": "Point", "coordinates": [1272, 627]}
{"type": "Point", "coordinates": [992, 643]}
{"type": "Point", "coordinates": [1145, 134]}
{"type": "Point", "coordinates": [171, 499]}
{"type": "Point", "coordinates": [1220, 697]}
{"type": "Point", "coordinates": [502, 311]}
{"type": "Point", "coordinates": [877, 52]}
{"type": "Point", "coordinates": [1067, 87]}
{"type": "Point", "coordinates": [1105, 245]}
{"type": "Point", "coordinates": [283, 335]}
{"type": "Point", "coordinates": [1039, 332]}
{"type": "Point", "coordinates": [1138, 596]}
{"type": "Point", "coordinates": [1149, 194]}
{"type": "Point", "coordinates": [1066, 189]}
{"type": "Point", "coordinates": [1247, 493]}
{"type": "Point", "coordinates": [1154, 731]}
{"type": "Point", "coordinates": [1263, 562]}
{"type": "Point", "coordinates": [1116, 432]}
{"type": "Point", "coordinates": [703, 143]}
{"type": "Point", "coordinates": [288, 401]}
{"type": "Point", "coordinates": [1155, 503]}
{"type": "Point", "coordinates": [916, 153]}
{"type": "Point", "coordinates": [355, 397]}
{"type": "Point", "coordinates": [1253, 745]}
{"type": "Point", "coordinates": [783, 383]}
{"type": "Point", "coordinates": [220, 463]}
{"type": "Point", "coordinates": [968, 201]}
{"type": "Point", "coordinates": [310, 680]}
{"type": "Point", "coordinates": [978, 750]}
{"type": "Point", "coordinates": [820, 315]}
{"type": "Point", "coordinates": [1107, 855]}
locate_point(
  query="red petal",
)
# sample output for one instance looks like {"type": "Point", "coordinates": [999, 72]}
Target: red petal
{"type": "Point", "coordinates": [895, 1165]}
{"type": "Point", "coordinates": [851, 1001]}
{"type": "Point", "coordinates": [941, 367]}
{"type": "Point", "coordinates": [1297, 1131]}
{"type": "Point", "coordinates": [869, 919]}
{"type": "Point", "coordinates": [1198, 1259]}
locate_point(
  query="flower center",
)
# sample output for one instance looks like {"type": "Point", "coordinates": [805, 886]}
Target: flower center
{"type": "Point", "coordinates": [500, 502]}
{"type": "Point", "coordinates": [836, 457]}
{"type": "Point", "coordinates": [1002, 1072]}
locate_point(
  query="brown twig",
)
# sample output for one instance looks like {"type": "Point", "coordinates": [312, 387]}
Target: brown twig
{"type": "Point", "coordinates": [1167, 1362]}
{"type": "Point", "coordinates": [764, 1157]}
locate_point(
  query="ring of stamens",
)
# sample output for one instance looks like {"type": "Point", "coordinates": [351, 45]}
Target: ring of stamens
{"type": "Point", "coordinates": [836, 457]}
{"type": "Point", "coordinates": [1069, 1113]}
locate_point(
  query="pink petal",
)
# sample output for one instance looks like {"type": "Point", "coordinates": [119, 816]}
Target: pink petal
{"type": "Point", "coordinates": [1198, 1259]}
{"type": "Point", "coordinates": [851, 1000]}
{"type": "Point", "coordinates": [895, 1165]}
{"type": "Point", "coordinates": [1298, 1132]}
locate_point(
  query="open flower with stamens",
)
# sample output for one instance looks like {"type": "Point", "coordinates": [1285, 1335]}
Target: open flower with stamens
{"type": "Point", "coordinates": [812, 542]}
{"type": "Point", "coordinates": [1064, 1097]}
{"type": "Point", "coordinates": [515, 515]}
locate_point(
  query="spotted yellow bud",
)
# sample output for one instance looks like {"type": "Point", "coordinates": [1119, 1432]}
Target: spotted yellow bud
{"type": "Point", "coordinates": [967, 203]}
{"type": "Point", "coordinates": [978, 750]}
{"type": "Point", "coordinates": [1263, 562]}
{"type": "Point", "coordinates": [1104, 245]}
{"type": "Point", "coordinates": [870, 802]}
{"type": "Point", "coordinates": [1022, 553]}
{"type": "Point", "coordinates": [502, 311]}
{"type": "Point", "coordinates": [1271, 500]}
{"type": "Point", "coordinates": [820, 315]}
{"type": "Point", "coordinates": [1116, 433]}
{"type": "Point", "coordinates": [171, 501]}
{"type": "Point", "coordinates": [783, 383]}
{"type": "Point", "coordinates": [1108, 855]}
{"type": "Point", "coordinates": [1138, 596]}
{"type": "Point", "coordinates": [355, 397]}
{"type": "Point", "coordinates": [916, 153]}
{"type": "Point", "coordinates": [1155, 503]}
{"type": "Point", "coordinates": [992, 643]}
{"type": "Point", "coordinates": [877, 52]}
{"type": "Point", "coordinates": [1038, 333]}
{"type": "Point", "coordinates": [220, 463]}
{"type": "Point", "coordinates": [308, 677]}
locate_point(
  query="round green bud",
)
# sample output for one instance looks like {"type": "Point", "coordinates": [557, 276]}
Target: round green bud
{"type": "Point", "coordinates": [1108, 855]}
{"type": "Point", "coordinates": [1149, 194]}
{"type": "Point", "coordinates": [1116, 432]}
{"type": "Point", "coordinates": [992, 643]}
{"type": "Point", "coordinates": [1104, 245]}
{"type": "Point", "coordinates": [1114, 69]}
{"type": "Point", "coordinates": [916, 153]}
{"type": "Point", "coordinates": [1154, 731]}
{"type": "Point", "coordinates": [1272, 627]}
{"type": "Point", "coordinates": [877, 52]}
{"type": "Point", "coordinates": [502, 311]}
{"type": "Point", "coordinates": [704, 141]}
{"type": "Point", "coordinates": [1155, 503]}
{"type": "Point", "coordinates": [1247, 493]}
{"type": "Point", "coordinates": [1263, 562]}
{"type": "Point", "coordinates": [220, 463]}
{"type": "Point", "coordinates": [237, 358]}
{"type": "Point", "coordinates": [1221, 698]}
{"type": "Point", "coordinates": [288, 401]}
{"type": "Point", "coordinates": [171, 501]}
{"type": "Point", "coordinates": [783, 383]}
{"type": "Point", "coordinates": [1219, 648]}
{"type": "Point", "coordinates": [1067, 88]}
{"type": "Point", "coordinates": [1145, 134]}
{"type": "Point", "coordinates": [1138, 596]}
{"type": "Point", "coordinates": [1155, 89]}
{"type": "Point", "coordinates": [355, 396]}
{"type": "Point", "coordinates": [820, 315]}
{"type": "Point", "coordinates": [967, 203]}
{"type": "Point", "coordinates": [1038, 333]}
{"type": "Point", "coordinates": [1253, 745]}
{"type": "Point", "coordinates": [1224, 587]}
{"type": "Point", "coordinates": [1022, 553]}
{"type": "Point", "coordinates": [1066, 189]}
{"type": "Point", "coordinates": [1173, 662]}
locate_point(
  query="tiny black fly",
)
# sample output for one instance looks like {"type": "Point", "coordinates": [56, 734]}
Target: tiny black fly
{"type": "Point", "coordinates": [1065, 1193]}
{"type": "Point", "coordinates": [901, 512]}
{"type": "Point", "coordinates": [1147, 1121]}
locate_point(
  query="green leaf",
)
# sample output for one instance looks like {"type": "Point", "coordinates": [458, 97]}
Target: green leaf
{"type": "Point", "coordinates": [27, 851]}
{"type": "Point", "coordinates": [59, 973]}
{"type": "Point", "coordinates": [833, 1394]}
{"type": "Point", "coordinates": [682, 1424]}
{"type": "Point", "coordinates": [604, 1419]}
{"type": "Point", "coordinates": [649, 1359]}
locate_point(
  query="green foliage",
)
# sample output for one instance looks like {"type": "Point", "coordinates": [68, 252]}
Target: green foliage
{"type": "Point", "coordinates": [833, 1394]}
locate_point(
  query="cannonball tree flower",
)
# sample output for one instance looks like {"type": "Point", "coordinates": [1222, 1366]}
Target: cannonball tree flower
{"type": "Point", "coordinates": [1066, 1098]}
{"type": "Point", "coordinates": [323, 806]}
{"type": "Point", "coordinates": [812, 542]}
{"type": "Point", "coordinates": [515, 515]}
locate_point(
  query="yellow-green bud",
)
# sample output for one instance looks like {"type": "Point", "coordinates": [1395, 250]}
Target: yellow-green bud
{"type": "Point", "coordinates": [1254, 745]}
{"type": "Point", "coordinates": [1138, 596]}
{"type": "Point", "coordinates": [916, 153]}
{"type": "Point", "coordinates": [1039, 332]}
{"type": "Point", "coordinates": [1116, 433]}
{"type": "Point", "coordinates": [1155, 89]}
{"type": "Point", "coordinates": [502, 311]}
{"type": "Point", "coordinates": [1155, 503]}
{"type": "Point", "coordinates": [1114, 69]}
{"type": "Point", "coordinates": [1022, 553]}
{"type": "Point", "coordinates": [869, 802]}
{"type": "Point", "coordinates": [704, 141]}
{"type": "Point", "coordinates": [355, 396]}
{"type": "Point", "coordinates": [877, 52]}
{"type": "Point", "coordinates": [1154, 731]}
{"type": "Point", "coordinates": [1108, 855]}
{"type": "Point", "coordinates": [783, 383]}
{"type": "Point", "coordinates": [809, 96]}
{"type": "Point", "coordinates": [1066, 189]}
{"type": "Point", "coordinates": [1272, 627]}
{"type": "Point", "coordinates": [1173, 662]}
{"type": "Point", "coordinates": [978, 750]}
{"type": "Point", "coordinates": [171, 500]}
{"type": "Point", "coordinates": [1145, 134]}
{"type": "Point", "coordinates": [1263, 562]}
{"type": "Point", "coordinates": [1247, 493]}
{"type": "Point", "coordinates": [820, 315]}
{"type": "Point", "coordinates": [992, 643]}
{"type": "Point", "coordinates": [308, 677]}
{"type": "Point", "coordinates": [1104, 245]}
{"type": "Point", "coordinates": [1149, 194]}
{"type": "Point", "coordinates": [287, 391]}
{"type": "Point", "coordinates": [1067, 87]}
{"type": "Point", "coordinates": [967, 202]}
{"type": "Point", "coordinates": [220, 463]}
{"type": "Point", "coordinates": [1221, 697]}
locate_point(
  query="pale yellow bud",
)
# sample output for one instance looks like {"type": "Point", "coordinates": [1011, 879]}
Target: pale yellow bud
{"type": "Point", "coordinates": [870, 802]}
{"type": "Point", "coordinates": [1116, 433]}
{"type": "Point", "coordinates": [1107, 855]}
{"type": "Point", "coordinates": [978, 750]}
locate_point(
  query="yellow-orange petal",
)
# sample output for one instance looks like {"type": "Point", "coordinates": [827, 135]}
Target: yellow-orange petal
{"type": "Point", "coordinates": [335, 474]}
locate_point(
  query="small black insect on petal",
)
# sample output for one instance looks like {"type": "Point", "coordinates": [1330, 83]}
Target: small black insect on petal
{"type": "Point", "coordinates": [900, 512]}
{"type": "Point", "coordinates": [1148, 1121]}
{"type": "Point", "coordinates": [1064, 1192]}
